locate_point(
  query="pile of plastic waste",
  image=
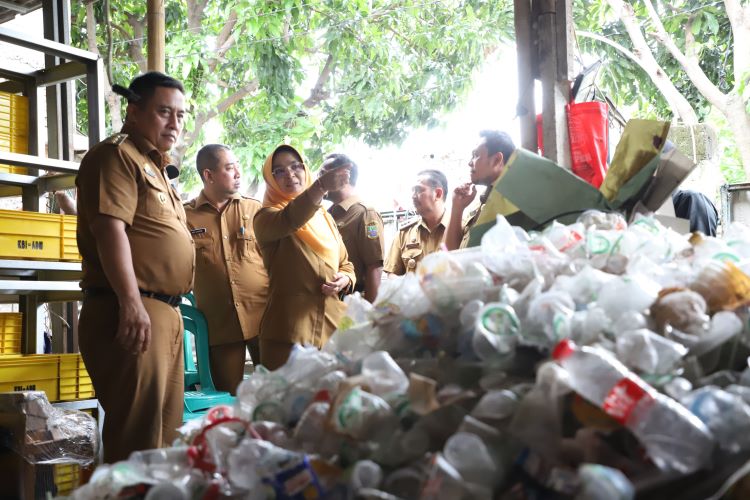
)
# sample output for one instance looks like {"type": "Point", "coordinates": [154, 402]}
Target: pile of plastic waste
{"type": "Point", "coordinates": [585, 361]}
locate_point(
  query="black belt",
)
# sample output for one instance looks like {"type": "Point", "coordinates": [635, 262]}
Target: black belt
{"type": "Point", "coordinates": [172, 300]}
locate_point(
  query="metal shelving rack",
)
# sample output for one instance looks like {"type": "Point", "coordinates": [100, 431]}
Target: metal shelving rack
{"type": "Point", "coordinates": [31, 283]}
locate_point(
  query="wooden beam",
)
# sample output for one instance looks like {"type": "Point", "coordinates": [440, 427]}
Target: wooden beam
{"type": "Point", "coordinates": [526, 107]}
{"type": "Point", "coordinates": [156, 61]}
{"type": "Point", "coordinates": [553, 62]}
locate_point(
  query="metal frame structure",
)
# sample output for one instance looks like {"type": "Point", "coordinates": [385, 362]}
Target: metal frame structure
{"type": "Point", "coordinates": [34, 282]}
{"type": "Point", "coordinates": [731, 194]}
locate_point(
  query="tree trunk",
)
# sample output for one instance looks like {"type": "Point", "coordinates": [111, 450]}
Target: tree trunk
{"type": "Point", "coordinates": [739, 122]}
{"type": "Point", "coordinates": [677, 102]}
{"type": "Point", "coordinates": [112, 99]}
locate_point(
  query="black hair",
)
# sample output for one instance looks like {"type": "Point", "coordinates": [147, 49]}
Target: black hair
{"type": "Point", "coordinates": [208, 157]}
{"type": "Point", "coordinates": [143, 87]}
{"type": "Point", "coordinates": [340, 160]}
{"type": "Point", "coordinates": [436, 179]}
{"type": "Point", "coordinates": [498, 142]}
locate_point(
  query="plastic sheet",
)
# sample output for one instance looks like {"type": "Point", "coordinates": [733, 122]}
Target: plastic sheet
{"type": "Point", "coordinates": [44, 434]}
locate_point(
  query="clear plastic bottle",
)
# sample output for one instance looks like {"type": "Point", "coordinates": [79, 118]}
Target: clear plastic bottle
{"type": "Point", "coordinates": [599, 482]}
{"type": "Point", "coordinates": [673, 437]}
{"type": "Point", "coordinates": [384, 375]}
{"type": "Point", "coordinates": [468, 454]}
{"type": "Point", "coordinates": [366, 474]}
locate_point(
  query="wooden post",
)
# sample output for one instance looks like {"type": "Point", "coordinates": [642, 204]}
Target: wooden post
{"type": "Point", "coordinates": [156, 61]}
{"type": "Point", "coordinates": [554, 50]}
{"type": "Point", "coordinates": [525, 50]}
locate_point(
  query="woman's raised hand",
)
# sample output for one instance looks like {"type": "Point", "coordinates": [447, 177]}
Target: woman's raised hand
{"type": "Point", "coordinates": [333, 178]}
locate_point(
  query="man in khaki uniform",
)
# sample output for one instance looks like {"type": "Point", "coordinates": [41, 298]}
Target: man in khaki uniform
{"type": "Point", "coordinates": [138, 259]}
{"type": "Point", "coordinates": [361, 228]}
{"type": "Point", "coordinates": [231, 284]}
{"type": "Point", "coordinates": [423, 236]}
{"type": "Point", "coordinates": [487, 165]}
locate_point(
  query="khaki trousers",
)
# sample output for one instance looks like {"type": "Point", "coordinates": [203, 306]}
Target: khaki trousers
{"type": "Point", "coordinates": [228, 363]}
{"type": "Point", "coordinates": [273, 354]}
{"type": "Point", "coordinates": [142, 395]}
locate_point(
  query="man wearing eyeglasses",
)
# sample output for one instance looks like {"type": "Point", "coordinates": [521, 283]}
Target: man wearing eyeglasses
{"type": "Point", "coordinates": [231, 283]}
{"type": "Point", "coordinates": [425, 235]}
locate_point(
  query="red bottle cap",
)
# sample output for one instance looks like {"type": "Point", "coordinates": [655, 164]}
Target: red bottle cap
{"type": "Point", "coordinates": [563, 349]}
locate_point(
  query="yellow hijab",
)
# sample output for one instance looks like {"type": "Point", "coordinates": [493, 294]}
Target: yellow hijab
{"type": "Point", "coordinates": [319, 232]}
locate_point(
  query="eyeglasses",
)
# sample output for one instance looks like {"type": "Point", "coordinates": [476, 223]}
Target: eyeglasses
{"type": "Point", "coordinates": [295, 167]}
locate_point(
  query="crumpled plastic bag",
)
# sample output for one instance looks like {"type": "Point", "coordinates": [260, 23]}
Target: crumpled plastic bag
{"type": "Point", "coordinates": [403, 295]}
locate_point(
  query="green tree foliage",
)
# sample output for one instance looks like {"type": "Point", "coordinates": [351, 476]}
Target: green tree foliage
{"type": "Point", "coordinates": [626, 82]}
{"type": "Point", "coordinates": [700, 47]}
{"type": "Point", "coordinates": [313, 72]}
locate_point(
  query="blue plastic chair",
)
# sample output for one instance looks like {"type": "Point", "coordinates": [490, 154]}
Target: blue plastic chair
{"type": "Point", "coordinates": [198, 401]}
{"type": "Point", "coordinates": [191, 371]}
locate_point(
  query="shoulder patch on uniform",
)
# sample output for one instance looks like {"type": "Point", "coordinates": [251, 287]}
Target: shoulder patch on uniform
{"type": "Point", "coordinates": [371, 229]}
{"type": "Point", "coordinates": [115, 139]}
{"type": "Point", "coordinates": [409, 224]}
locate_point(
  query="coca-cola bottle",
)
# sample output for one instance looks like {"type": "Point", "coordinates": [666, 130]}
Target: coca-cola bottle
{"type": "Point", "coordinates": [673, 437]}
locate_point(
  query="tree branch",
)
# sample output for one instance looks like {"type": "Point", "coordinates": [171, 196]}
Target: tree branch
{"type": "Point", "coordinates": [226, 32]}
{"type": "Point", "coordinates": [112, 99]}
{"type": "Point", "coordinates": [318, 94]}
{"type": "Point", "coordinates": [91, 28]}
{"type": "Point", "coordinates": [734, 12]}
{"type": "Point", "coordinates": [739, 19]}
{"type": "Point", "coordinates": [205, 116]}
{"type": "Point", "coordinates": [195, 10]}
{"type": "Point", "coordinates": [242, 92]}
{"type": "Point", "coordinates": [224, 41]}
{"type": "Point", "coordinates": [710, 91]}
{"type": "Point", "coordinates": [135, 47]}
{"type": "Point", "coordinates": [645, 59]}
{"type": "Point", "coordinates": [690, 38]}
{"type": "Point", "coordinates": [620, 48]}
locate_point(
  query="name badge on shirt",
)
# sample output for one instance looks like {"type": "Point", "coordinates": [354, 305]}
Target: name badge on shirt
{"type": "Point", "coordinates": [413, 245]}
{"type": "Point", "coordinates": [198, 230]}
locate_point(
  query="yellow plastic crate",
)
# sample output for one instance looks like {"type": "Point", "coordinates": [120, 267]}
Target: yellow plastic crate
{"type": "Point", "coordinates": [14, 128]}
{"type": "Point", "coordinates": [75, 382]}
{"type": "Point", "coordinates": [63, 377]}
{"type": "Point", "coordinates": [67, 478]}
{"type": "Point", "coordinates": [32, 235]}
{"type": "Point", "coordinates": [13, 144]}
{"type": "Point", "coordinates": [11, 331]}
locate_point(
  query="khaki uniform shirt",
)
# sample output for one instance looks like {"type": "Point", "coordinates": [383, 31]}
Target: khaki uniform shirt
{"type": "Point", "coordinates": [297, 310]}
{"type": "Point", "coordinates": [124, 177]}
{"type": "Point", "coordinates": [361, 229]}
{"type": "Point", "coordinates": [469, 223]}
{"type": "Point", "coordinates": [413, 242]}
{"type": "Point", "coordinates": [231, 283]}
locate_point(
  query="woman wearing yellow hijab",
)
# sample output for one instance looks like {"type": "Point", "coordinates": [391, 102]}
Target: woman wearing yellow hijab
{"type": "Point", "coordinates": [306, 259]}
